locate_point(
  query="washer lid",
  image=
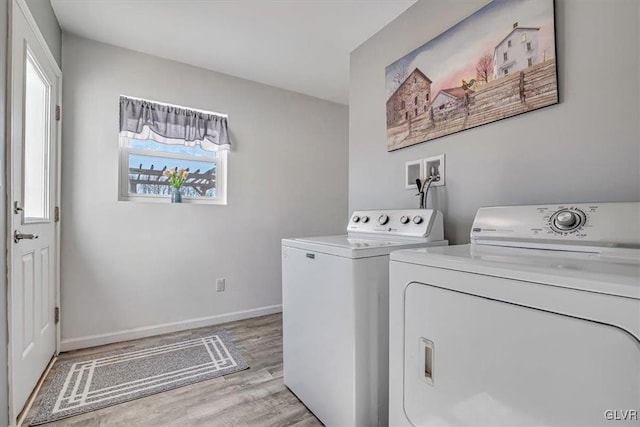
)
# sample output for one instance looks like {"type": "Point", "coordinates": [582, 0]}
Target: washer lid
{"type": "Point", "coordinates": [615, 273]}
{"type": "Point", "coordinates": [351, 246]}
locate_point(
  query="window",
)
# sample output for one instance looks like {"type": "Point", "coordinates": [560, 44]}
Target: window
{"type": "Point", "coordinates": [406, 115]}
{"type": "Point", "coordinates": [509, 43]}
{"type": "Point", "coordinates": [37, 150]}
{"type": "Point", "coordinates": [145, 155]}
{"type": "Point", "coordinates": [524, 37]}
{"type": "Point", "coordinates": [427, 97]}
{"type": "Point", "coordinates": [415, 80]}
{"type": "Point", "coordinates": [143, 162]}
{"type": "Point", "coordinates": [528, 46]}
{"type": "Point", "coordinates": [506, 71]}
{"type": "Point", "coordinates": [402, 105]}
{"type": "Point", "coordinates": [530, 61]}
{"type": "Point", "coordinates": [425, 108]}
{"type": "Point", "coordinates": [505, 56]}
{"type": "Point", "coordinates": [415, 100]}
{"type": "Point", "coordinates": [415, 112]}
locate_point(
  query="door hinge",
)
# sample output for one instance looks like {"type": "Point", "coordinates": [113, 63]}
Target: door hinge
{"type": "Point", "coordinates": [56, 214]}
{"type": "Point", "coordinates": [58, 113]}
{"type": "Point", "coordinates": [56, 314]}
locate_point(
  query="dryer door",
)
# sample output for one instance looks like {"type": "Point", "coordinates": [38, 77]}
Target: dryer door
{"type": "Point", "coordinates": [474, 361]}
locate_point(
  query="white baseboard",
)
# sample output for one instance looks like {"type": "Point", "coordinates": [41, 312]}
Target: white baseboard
{"type": "Point", "coordinates": [149, 331]}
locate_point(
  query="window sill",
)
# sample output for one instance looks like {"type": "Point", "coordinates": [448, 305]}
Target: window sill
{"type": "Point", "coordinates": [167, 200]}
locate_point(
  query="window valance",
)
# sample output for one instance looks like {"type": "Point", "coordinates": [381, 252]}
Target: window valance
{"type": "Point", "coordinates": [170, 124]}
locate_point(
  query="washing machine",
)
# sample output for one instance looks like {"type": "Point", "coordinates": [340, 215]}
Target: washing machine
{"type": "Point", "coordinates": [536, 322]}
{"type": "Point", "coordinates": [335, 312]}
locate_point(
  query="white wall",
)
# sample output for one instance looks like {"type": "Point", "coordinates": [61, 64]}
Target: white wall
{"type": "Point", "coordinates": [128, 265]}
{"type": "Point", "coordinates": [584, 149]}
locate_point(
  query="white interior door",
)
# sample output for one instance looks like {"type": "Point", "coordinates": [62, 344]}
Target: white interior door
{"type": "Point", "coordinates": [32, 181]}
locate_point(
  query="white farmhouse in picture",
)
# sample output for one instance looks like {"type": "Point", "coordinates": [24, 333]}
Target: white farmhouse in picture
{"type": "Point", "coordinates": [517, 51]}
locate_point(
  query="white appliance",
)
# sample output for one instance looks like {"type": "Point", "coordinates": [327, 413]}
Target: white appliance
{"type": "Point", "coordinates": [335, 312]}
{"type": "Point", "coordinates": [536, 322]}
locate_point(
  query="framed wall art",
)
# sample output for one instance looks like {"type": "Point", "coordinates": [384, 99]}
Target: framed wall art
{"type": "Point", "coordinates": [497, 63]}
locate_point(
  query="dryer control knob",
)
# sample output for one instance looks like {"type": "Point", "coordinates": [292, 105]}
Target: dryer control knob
{"type": "Point", "coordinates": [365, 219]}
{"type": "Point", "coordinates": [566, 219]}
{"type": "Point", "coordinates": [417, 219]}
{"type": "Point", "coordinates": [355, 218]}
{"type": "Point", "coordinates": [404, 219]}
{"type": "Point", "coordinates": [383, 219]}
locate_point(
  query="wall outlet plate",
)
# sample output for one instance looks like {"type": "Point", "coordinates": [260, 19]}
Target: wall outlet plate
{"type": "Point", "coordinates": [220, 285]}
{"type": "Point", "coordinates": [434, 165]}
{"type": "Point", "coordinates": [412, 171]}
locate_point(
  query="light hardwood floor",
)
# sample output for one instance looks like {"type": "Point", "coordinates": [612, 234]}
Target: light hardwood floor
{"type": "Point", "coordinates": [255, 397]}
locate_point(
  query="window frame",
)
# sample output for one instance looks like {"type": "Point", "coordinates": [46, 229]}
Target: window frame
{"type": "Point", "coordinates": [220, 161]}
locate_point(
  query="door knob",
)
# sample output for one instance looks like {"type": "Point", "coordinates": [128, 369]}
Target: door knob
{"type": "Point", "coordinates": [17, 236]}
{"type": "Point", "coordinates": [16, 207]}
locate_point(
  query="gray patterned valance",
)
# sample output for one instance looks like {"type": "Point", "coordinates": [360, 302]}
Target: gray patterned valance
{"type": "Point", "coordinates": [173, 125]}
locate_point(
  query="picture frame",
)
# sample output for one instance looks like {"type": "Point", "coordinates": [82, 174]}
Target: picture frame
{"type": "Point", "coordinates": [497, 63]}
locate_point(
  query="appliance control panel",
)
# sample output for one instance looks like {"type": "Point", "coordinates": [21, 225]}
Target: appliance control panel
{"type": "Point", "coordinates": [399, 222]}
{"type": "Point", "coordinates": [613, 225]}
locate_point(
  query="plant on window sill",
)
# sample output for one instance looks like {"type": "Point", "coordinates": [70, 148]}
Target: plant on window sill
{"type": "Point", "coordinates": [176, 178]}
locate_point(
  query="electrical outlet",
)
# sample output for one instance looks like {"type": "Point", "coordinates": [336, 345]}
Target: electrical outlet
{"type": "Point", "coordinates": [220, 285]}
{"type": "Point", "coordinates": [434, 166]}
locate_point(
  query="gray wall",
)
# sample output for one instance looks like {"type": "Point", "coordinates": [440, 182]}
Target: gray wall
{"type": "Point", "coordinates": [128, 265]}
{"type": "Point", "coordinates": [4, 19]}
{"type": "Point", "coordinates": [48, 24]}
{"type": "Point", "coordinates": [584, 149]}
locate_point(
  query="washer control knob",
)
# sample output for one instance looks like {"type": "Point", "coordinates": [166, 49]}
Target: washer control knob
{"type": "Point", "coordinates": [404, 219]}
{"type": "Point", "coordinates": [417, 219]}
{"type": "Point", "coordinates": [355, 218]}
{"type": "Point", "coordinates": [566, 219]}
{"type": "Point", "coordinates": [365, 219]}
{"type": "Point", "coordinates": [383, 219]}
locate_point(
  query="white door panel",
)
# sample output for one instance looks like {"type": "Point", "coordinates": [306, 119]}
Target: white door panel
{"type": "Point", "coordinates": [32, 180]}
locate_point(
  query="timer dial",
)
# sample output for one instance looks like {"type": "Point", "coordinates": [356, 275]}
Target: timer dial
{"type": "Point", "coordinates": [355, 218]}
{"type": "Point", "coordinates": [417, 219]}
{"type": "Point", "coordinates": [383, 219]}
{"type": "Point", "coordinates": [404, 219]}
{"type": "Point", "coordinates": [567, 220]}
{"type": "Point", "coordinates": [365, 219]}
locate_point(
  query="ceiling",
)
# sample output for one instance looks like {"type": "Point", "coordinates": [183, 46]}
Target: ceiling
{"type": "Point", "coordinates": [298, 45]}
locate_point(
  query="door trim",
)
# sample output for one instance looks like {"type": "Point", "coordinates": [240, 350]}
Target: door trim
{"type": "Point", "coordinates": [14, 7]}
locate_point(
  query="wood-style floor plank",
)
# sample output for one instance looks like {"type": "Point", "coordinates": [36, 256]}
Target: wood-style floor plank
{"type": "Point", "coordinates": [254, 397]}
